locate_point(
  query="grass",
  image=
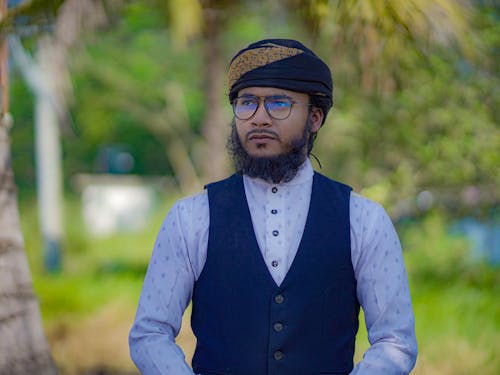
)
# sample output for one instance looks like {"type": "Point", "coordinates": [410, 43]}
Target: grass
{"type": "Point", "coordinates": [456, 302]}
{"type": "Point", "coordinates": [88, 307]}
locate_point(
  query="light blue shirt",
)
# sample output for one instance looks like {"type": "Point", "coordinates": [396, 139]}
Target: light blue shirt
{"type": "Point", "coordinates": [180, 252]}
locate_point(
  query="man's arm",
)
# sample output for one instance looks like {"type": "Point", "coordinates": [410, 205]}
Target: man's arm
{"type": "Point", "coordinates": [165, 294]}
{"type": "Point", "coordinates": [382, 288]}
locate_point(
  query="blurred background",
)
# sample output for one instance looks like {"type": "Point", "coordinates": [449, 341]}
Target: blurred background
{"type": "Point", "coordinates": [115, 109]}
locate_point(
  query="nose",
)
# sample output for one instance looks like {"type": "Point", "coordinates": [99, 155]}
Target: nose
{"type": "Point", "coordinates": [261, 117]}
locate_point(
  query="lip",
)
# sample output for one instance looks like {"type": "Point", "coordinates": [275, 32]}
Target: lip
{"type": "Point", "coordinates": [260, 137]}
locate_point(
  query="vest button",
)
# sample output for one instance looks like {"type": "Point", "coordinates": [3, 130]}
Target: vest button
{"type": "Point", "coordinates": [274, 212]}
{"type": "Point", "coordinates": [276, 233]}
{"type": "Point", "coordinates": [274, 189]}
{"type": "Point", "coordinates": [278, 355]}
{"type": "Point", "coordinates": [279, 299]}
{"type": "Point", "coordinates": [278, 327]}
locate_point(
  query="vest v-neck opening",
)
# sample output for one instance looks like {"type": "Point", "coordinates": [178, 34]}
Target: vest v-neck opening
{"type": "Point", "coordinates": [242, 198]}
{"type": "Point", "coordinates": [315, 200]}
{"type": "Point", "coordinates": [315, 203]}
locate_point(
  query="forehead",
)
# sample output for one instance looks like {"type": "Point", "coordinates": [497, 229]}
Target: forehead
{"type": "Point", "coordinates": [272, 91]}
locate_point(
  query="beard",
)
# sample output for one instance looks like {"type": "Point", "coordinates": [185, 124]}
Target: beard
{"type": "Point", "coordinates": [275, 169]}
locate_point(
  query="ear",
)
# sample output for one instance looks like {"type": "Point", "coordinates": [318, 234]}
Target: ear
{"type": "Point", "coordinates": [316, 116]}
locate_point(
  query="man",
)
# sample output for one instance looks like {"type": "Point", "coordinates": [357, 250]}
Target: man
{"type": "Point", "coordinates": [277, 259]}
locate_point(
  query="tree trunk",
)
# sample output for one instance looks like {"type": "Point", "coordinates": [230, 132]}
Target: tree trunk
{"type": "Point", "coordinates": [23, 345]}
{"type": "Point", "coordinates": [215, 129]}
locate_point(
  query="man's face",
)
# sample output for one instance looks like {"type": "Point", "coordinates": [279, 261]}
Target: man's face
{"type": "Point", "coordinates": [263, 136]}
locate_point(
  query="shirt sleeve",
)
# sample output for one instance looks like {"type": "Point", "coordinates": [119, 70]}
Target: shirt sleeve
{"type": "Point", "coordinates": [165, 294]}
{"type": "Point", "coordinates": [383, 291]}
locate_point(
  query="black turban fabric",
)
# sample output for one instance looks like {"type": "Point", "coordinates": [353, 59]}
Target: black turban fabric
{"type": "Point", "coordinates": [281, 63]}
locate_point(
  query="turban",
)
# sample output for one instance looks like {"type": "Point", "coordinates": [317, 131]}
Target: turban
{"type": "Point", "coordinates": [281, 63]}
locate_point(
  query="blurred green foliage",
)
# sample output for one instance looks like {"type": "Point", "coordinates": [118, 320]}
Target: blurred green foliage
{"type": "Point", "coordinates": [439, 131]}
{"type": "Point", "coordinates": [437, 128]}
{"type": "Point", "coordinates": [22, 136]}
{"type": "Point", "coordinates": [96, 269]}
{"type": "Point", "coordinates": [455, 298]}
{"type": "Point", "coordinates": [428, 122]}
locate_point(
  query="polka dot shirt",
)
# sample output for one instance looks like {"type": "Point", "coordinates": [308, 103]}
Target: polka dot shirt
{"type": "Point", "coordinates": [279, 213]}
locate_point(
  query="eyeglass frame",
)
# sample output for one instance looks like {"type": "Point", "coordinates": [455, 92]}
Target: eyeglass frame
{"type": "Point", "coordinates": [264, 99]}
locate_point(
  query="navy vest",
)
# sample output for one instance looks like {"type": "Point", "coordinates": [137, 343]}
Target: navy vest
{"type": "Point", "coordinates": [244, 323]}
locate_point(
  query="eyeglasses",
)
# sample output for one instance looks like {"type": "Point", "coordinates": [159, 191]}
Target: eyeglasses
{"type": "Point", "coordinates": [278, 107]}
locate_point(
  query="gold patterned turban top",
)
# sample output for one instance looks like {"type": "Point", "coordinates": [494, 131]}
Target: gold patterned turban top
{"type": "Point", "coordinates": [281, 63]}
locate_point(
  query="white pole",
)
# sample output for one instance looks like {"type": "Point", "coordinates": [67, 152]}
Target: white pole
{"type": "Point", "coordinates": [49, 180]}
{"type": "Point", "coordinates": [41, 77]}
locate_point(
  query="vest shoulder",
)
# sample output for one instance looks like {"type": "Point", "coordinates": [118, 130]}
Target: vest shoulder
{"type": "Point", "coordinates": [231, 180]}
{"type": "Point", "coordinates": [333, 183]}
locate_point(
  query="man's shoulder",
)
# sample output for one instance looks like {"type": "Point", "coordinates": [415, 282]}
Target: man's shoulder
{"type": "Point", "coordinates": [364, 206]}
{"type": "Point", "coordinates": [192, 200]}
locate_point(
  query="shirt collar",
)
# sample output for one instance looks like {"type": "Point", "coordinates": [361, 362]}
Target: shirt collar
{"type": "Point", "coordinates": [304, 174]}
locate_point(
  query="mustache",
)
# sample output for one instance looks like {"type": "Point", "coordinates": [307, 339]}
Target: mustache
{"type": "Point", "coordinates": [262, 131]}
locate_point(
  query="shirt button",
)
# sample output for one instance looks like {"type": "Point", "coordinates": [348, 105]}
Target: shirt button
{"type": "Point", "coordinates": [275, 233]}
{"type": "Point", "coordinates": [274, 212]}
{"type": "Point", "coordinates": [278, 327]}
{"type": "Point", "coordinates": [274, 263]}
{"type": "Point", "coordinates": [279, 299]}
{"type": "Point", "coordinates": [274, 189]}
{"type": "Point", "coordinates": [278, 355]}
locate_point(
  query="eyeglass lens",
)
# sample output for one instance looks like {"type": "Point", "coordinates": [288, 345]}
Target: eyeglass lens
{"type": "Point", "coordinates": [278, 107]}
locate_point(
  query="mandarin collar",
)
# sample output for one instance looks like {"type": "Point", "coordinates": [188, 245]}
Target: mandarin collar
{"type": "Point", "coordinates": [304, 174]}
